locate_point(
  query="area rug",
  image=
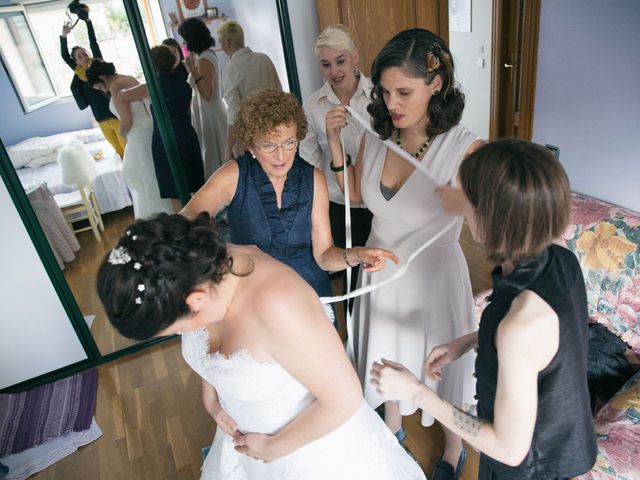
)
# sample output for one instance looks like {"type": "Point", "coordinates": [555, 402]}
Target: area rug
{"type": "Point", "coordinates": [26, 463]}
{"type": "Point", "coordinates": [30, 418]}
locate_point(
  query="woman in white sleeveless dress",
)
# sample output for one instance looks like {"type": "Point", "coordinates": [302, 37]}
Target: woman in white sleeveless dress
{"type": "Point", "coordinates": [415, 104]}
{"type": "Point", "coordinates": [208, 111]}
{"type": "Point", "coordinates": [276, 378]}
{"type": "Point", "coordinates": [137, 125]}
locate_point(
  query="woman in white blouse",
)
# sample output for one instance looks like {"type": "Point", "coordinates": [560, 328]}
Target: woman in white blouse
{"type": "Point", "coordinates": [344, 85]}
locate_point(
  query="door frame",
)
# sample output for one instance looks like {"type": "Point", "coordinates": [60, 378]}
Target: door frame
{"type": "Point", "coordinates": [528, 66]}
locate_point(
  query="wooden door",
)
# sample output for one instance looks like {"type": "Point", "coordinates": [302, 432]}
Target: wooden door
{"type": "Point", "coordinates": [374, 22]}
{"type": "Point", "coordinates": [515, 46]}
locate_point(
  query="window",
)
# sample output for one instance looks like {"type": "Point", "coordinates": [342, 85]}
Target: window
{"type": "Point", "coordinates": [22, 60]}
{"type": "Point", "coordinates": [112, 31]}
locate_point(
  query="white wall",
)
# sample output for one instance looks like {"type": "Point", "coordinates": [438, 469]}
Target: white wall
{"type": "Point", "coordinates": [304, 30]}
{"type": "Point", "coordinates": [467, 49]}
{"type": "Point", "coordinates": [587, 94]}
{"type": "Point", "coordinates": [259, 20]}
{"type": "Point", "coordinates": [37, 336]}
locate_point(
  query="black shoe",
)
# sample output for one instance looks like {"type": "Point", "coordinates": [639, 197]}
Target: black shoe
{"type": "Point", "coordinates": [205, 451]}
{"type": "Point", "coordinates": [445, 471]}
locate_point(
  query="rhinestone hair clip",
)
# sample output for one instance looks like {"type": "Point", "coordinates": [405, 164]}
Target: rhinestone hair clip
{"type": "Point", "coordinates": [119, 256]}
{"type": "Point", "coordinates": [141, 289]}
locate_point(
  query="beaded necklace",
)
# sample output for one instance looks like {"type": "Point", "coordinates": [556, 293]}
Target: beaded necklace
{"type": "Point", "coordinates": [420, 151]}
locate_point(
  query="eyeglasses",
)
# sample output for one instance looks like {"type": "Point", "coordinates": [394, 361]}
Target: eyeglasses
{"type": "Point", "coordinates": [287, 146]}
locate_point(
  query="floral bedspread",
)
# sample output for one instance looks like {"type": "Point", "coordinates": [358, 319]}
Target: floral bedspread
{"type": "Point", "coordinates": [606, 237]}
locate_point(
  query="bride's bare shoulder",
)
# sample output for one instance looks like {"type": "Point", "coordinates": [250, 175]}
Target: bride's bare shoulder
{"type": "Point", "coordinates": [250, 258]}
{"type": "Point", "coordinates": [273, 286]}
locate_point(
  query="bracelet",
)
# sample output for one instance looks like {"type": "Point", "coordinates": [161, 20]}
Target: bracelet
{"type": "Point", "coordinates": [341, 167]}
{"type": "Point", "coordinates": [200, 78]}
{"type": "Point", "coordinates": [345, 257]}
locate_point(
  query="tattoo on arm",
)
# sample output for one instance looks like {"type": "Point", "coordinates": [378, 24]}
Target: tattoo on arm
{"type": "Point", "coordinates": [467, 423]}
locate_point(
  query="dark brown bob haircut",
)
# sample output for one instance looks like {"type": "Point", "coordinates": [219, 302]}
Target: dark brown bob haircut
{"type": "Point", "coordinates": [521, 196]}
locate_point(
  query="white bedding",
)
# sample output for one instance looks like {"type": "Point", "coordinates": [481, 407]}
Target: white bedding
{"type": "Point", "coordinates": [111, 190]}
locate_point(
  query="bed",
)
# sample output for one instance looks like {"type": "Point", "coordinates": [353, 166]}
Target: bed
{"type": "Point", "coordinates": [35, 160]}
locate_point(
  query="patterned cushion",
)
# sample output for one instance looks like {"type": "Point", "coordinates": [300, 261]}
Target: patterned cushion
{"type": "Point", "coordinates": [618, 430]}
{"type": "Point", "coordinates": [605, 238]}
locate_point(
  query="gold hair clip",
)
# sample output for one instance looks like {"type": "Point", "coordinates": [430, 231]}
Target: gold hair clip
{"type": "Point", "coordinates": [433, 62]}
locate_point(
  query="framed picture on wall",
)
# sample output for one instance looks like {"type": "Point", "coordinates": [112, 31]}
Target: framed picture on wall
{"type": "Point", "coordinates": [173, 18]}
{"type": "Point", "coordinates": [192, 8]}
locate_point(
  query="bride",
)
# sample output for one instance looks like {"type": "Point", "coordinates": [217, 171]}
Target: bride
{"type": "Point", "coordinates": [276, 378]}
{"type": "Point", "coordinates": [137, 125]}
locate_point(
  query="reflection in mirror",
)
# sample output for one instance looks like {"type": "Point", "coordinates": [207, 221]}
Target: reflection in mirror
{"type": "Point", "coordinates": [34, 141]}
{"type": "Point", "coordinates": [23, 60]}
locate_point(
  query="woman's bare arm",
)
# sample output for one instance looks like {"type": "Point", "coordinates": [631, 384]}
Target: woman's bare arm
{"type": "Point", "coordinates": [216, 193]}
{"type": "Point", "coordinates": [212, 404]}
{"type": "Point", "coordinates": [204, 75]}
{"type": "Point", "coordinates": [328, 256]}
{"type": "Point", "coordinates": [302, 339]}
{"type": "Point", "coordinates": [526, 341]}
{"type": "Point", "coordinates": [132, 94]}
{"type": "Point", "coordinates": [336, 119]}
{"type": "Point", "coordinates": [124, 108]}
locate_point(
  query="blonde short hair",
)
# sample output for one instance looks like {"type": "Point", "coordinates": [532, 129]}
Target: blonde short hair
{"type": "Point", "coordinates": [337, 37]}
{"type": "Point", "coordinates": [232, 31]}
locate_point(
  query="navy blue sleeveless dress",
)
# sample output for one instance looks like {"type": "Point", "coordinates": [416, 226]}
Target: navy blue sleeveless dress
{"type": "Point", "coordinates": [285, 233]}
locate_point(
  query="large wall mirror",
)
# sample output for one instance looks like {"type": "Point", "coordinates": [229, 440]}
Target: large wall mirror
{"type": "Point", "coordinates": [41, 116]}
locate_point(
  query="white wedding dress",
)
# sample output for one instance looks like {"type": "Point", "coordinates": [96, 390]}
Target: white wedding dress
{"type": "Point", "coordinates": [264, 398]}
{"type": "Point", "coordinates": [137, 169]}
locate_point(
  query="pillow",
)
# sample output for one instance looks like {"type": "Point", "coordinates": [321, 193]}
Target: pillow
{"type": "Point", "coordinates": [89, 135]}
{"type": "Point", "coordinates": [42, 160]}
{"type": "Point", "coordinates": [39, 150]}
{"type": "Point", "coordinates": [25, 151]}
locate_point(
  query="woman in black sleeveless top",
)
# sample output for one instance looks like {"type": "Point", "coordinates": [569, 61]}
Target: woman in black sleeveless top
{"type": "Point", "coordinates": [534, 418]}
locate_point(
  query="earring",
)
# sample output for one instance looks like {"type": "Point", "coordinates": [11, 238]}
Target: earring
{"type": "Point", "coordinates": [252, 155]}
{"type": "Point", "coordinates": [436, 93]}
{"type": "Point", "coordinates": [356, 71]}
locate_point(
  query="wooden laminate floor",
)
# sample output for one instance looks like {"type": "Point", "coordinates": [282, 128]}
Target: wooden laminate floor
{"type": "Point", "coordinates": [81, 278]}
{"type": "Point", "coordinates": [149, 404]}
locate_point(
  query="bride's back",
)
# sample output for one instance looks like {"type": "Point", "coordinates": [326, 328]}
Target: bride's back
{"type": "Point", "coordinates": [265, 293]}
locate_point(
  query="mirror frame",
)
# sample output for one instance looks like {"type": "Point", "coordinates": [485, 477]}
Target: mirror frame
{"type": "Point", "coordinates": [23, 206]}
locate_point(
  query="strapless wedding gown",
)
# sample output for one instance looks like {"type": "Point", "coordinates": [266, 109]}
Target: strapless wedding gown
{"type": "Point", "coordinates": [264, 398]}
{"type": "Point", "coordinates": [137, 169]}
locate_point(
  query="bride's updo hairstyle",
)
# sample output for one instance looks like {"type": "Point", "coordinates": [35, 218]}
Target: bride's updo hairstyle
{"type": "Point", "coordinates": [99, 67]}
{"type": "Point", "coordinates": [419, 53]}
{"type": "Point", "coordinates": [144, 281]}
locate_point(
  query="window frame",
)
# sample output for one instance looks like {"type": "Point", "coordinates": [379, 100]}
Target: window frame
{"type": "Point", "coordinates": [26, 107]}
